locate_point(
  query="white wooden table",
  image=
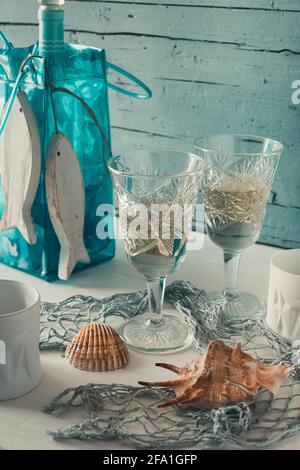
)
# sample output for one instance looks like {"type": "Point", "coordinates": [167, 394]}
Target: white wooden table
{"type": "Point", "coordinates": [23, 425]}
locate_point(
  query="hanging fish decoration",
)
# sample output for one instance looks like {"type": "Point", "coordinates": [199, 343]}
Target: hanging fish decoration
{"type": "Point", "coordinates": [1, 153]}
{"type": "Point", "coordinates": [66, 203]}
{"type": "Point", "coordinates": [20, 168]}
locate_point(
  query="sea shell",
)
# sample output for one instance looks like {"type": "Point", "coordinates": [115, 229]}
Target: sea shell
{"type": "Point", "coordinates": [224, 375]}
{"type": "Point", "coordinates": [97, 347]}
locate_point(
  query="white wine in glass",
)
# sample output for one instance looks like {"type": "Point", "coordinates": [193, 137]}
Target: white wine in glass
{"type": "Point", "coordinates": [238, 175]}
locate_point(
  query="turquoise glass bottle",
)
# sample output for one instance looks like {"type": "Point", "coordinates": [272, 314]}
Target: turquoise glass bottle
{"type": "Point", "coordinates": [51, 27]}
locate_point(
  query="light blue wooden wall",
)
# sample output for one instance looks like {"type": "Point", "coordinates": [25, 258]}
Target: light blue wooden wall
{"type": "Point", "coordinates": [213, 65]}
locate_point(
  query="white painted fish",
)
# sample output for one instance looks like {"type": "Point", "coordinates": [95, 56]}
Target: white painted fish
{"type": "Point", "coordinates": [3, 108]}
{"type": "Point", "coordinates": [66, 203]}
{"type": "Point", "coordinates": [20, 168]}
{"type": "Point", "coordinates": [1, 153]}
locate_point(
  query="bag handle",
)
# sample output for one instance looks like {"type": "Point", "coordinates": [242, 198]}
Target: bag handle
{"type": "Point", "coordinates": [137, 81]}
{"type": "Point", "coordinates": [147, 95]}
{"type": "Point", "coordinates": [7, 44]}
{"type": "Point", "coordinates": [15, 90]}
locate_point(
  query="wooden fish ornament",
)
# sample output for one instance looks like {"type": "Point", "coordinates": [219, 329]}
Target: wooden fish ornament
{"type": "Point", "coordinates": [1, 153]}
{"type": "Point", "coordinates": [66, 203]}
{"type": "Point", "coordinates": [1, 144]}
{"type": "Point", "coordinates": [20, 150]}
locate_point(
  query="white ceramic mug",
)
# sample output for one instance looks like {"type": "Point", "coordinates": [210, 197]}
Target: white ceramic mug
{"type": "Point", "coordinates": [283, 314]}
{"type": "Point", "coordinates": [20, 367]}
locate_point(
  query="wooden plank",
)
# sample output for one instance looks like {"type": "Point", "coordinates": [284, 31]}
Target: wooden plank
{"type": "Point", "coordinates": [278, 229]}
{"type": "Point", "coordinates": [244, 28]}
{"type": "Point", "coordinates": [177, 60]}
{"type": "Point", "coordinates": [277, 5]}
{"type": "Point", "coordinates": [268, 74]}
{"type": "Point", "coordinates": [268, 5]}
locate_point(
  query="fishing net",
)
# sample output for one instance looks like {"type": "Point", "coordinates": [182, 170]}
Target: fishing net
{"type": "Point", "coordinates": [131, 414]}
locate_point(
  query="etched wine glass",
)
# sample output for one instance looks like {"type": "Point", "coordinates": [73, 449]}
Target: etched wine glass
{"type": "Point", "coordinates": [238, 175]}
{"type": "Point", "coordinates": [156, 192]}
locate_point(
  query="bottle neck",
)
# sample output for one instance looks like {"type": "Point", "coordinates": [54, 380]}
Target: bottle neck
{"type": "Point", "coordinates": [51, 30]}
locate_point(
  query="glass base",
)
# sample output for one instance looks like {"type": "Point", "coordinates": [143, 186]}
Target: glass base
{"type": "Point", "coordinates": [243, 305]}
{"type": "Point", "coordinates": [171, 335]}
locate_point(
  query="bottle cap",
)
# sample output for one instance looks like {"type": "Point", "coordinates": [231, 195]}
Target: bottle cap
{"type": "Point", "coordinates": [51, 2]}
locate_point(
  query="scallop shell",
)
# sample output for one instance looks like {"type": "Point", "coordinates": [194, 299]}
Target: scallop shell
{"type": "Point", "coordinates": [224, 375]}
{"type": "Point", "coordinates": [97, 347]}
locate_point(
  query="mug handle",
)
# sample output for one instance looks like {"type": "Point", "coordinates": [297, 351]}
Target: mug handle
{"type": "Point", "coordinates": [132, 78]}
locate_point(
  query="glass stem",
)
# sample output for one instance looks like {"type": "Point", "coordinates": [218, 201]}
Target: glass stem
{"type": "Point", "coordinates": [156, 293]}
{"type": "Point", "coordinates": [231, 267]}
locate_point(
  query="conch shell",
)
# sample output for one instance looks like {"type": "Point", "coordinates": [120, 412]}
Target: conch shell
{"type": "Point", "coordinates": [224, 375]}
{"type": "Point", "coordinates": [97, 347]}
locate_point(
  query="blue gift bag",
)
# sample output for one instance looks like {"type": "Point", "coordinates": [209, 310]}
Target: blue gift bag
{"type": "Point", "coordinates": [68, 95]}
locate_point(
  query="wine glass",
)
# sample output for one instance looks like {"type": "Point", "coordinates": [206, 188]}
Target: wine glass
{"type": "Point", "coordinates": [238, 174]}
{"type": "Point", "coordinates": [156, 191]}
